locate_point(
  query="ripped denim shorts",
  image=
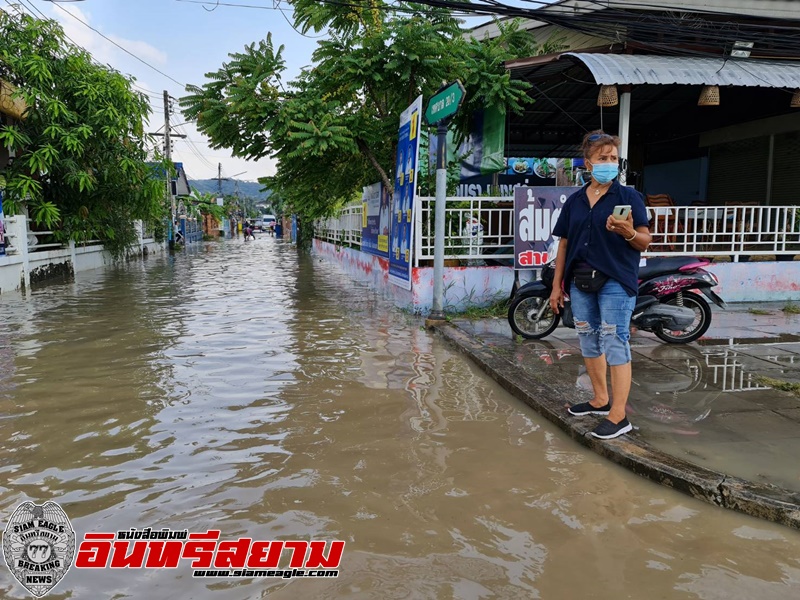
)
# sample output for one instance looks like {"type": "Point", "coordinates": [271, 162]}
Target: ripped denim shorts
{"type": "Point", "coordinates": [603, 321]}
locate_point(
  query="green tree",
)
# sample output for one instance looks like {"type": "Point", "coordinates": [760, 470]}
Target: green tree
{"type": "Point", "coordinates": [334, 128]}
{"type": "Point", "coordinates": [81, 150]}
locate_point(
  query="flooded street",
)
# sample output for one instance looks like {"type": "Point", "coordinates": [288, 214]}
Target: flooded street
{"type": "Point", "coordinates": [246, 388]}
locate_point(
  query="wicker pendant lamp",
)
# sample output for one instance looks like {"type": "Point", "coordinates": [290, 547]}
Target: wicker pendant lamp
{"type": "Point", "coordinates": [709, 96]}
{"type": "Point", "coordinates": [795, 103]}
{"type": "Point", "coordinates": [607, 96]}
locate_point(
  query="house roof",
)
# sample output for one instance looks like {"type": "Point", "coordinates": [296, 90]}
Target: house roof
{"type": "Point", "coordinates": [620, 69]}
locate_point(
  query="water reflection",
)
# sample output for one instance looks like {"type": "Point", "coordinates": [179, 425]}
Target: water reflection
{"type": "Point", "coordinates": [259, 391]}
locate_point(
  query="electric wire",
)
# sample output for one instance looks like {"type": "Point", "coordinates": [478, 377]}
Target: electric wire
{"type": "Point", "coordinates": [385, 7]}
{"type": "Point", "coordinates": [141, 60]}
{"type": "Point", "coordinates": [31, 6]}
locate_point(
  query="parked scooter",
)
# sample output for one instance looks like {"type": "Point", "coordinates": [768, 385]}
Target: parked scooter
{"type": "Point", "coordinates": [668, 304]}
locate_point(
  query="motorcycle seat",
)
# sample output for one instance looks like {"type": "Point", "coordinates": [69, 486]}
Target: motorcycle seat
{"type": "Point", "coordinates": [665, 265]}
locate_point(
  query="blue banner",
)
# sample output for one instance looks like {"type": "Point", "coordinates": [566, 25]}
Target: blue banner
{"type": "Point", "coordinates": [376, 220]}
{"type": "Point", "coordinates": [405, 190]}
{"type": "Point", "coordinates": [2, 228]}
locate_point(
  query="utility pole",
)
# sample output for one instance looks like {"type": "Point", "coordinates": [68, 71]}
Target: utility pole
{"type": "Point", "coordinates": [168, 135]}
{"type": "Point", "coordinates": [219, 178]}
{"type": "Point", "coordinates": [168, 155]}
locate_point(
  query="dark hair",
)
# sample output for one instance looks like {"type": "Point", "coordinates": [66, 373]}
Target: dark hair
{"type": "Point", "coordinates": [597, 139]}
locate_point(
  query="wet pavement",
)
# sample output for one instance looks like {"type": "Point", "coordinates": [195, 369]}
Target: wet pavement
{"type": "Point", "coordinates": [247, 388]}
{"type": "Point", "coordinates": [710, 403]}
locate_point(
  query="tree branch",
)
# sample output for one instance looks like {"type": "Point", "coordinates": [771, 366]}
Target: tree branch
{"type": "Point", "coordinates": [378, 106]}
{"type": "Point", "coordinates": [362, 146]}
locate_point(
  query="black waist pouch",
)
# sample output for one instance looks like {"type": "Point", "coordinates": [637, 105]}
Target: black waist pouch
{"type": "Point", "coordinates": [588, 279]}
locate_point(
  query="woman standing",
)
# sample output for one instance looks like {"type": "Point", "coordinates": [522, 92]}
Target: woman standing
{"type": "Point", "coordinates": [598, 264]}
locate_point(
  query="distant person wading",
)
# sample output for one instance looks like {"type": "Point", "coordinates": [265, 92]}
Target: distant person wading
{"type": "Point", "coordinates": [598, 265]}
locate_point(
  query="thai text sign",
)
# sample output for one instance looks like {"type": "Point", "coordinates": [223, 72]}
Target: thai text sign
{"type": "Point", "coordinates": [536, 211]}
{"type": "Point", "coordinates": [445, 103]}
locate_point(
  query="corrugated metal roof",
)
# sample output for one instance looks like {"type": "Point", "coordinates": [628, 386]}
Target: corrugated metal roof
{"type": "Point", "coordinates": [611, 69]}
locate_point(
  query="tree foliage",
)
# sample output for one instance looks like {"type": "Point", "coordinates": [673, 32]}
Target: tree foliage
{"type": "Point", "coordinates": [80, 149]}
{"type": "Point", "coordinates": [334, 128]}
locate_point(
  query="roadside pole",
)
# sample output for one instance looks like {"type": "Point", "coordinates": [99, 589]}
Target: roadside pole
{"type": "Point", "coordinates": [168, 156]}
{"type": "Point", "coordinates": [441, 107]}
{"type": "Point", "coordinates": [437, 308]}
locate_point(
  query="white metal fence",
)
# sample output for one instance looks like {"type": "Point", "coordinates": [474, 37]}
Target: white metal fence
{"type": "Point", "coordinates": [483, 228]}
{"type": "Point", "coordinates": [342, 229]}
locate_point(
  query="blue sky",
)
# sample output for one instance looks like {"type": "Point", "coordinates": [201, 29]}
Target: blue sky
{"type": "Point", "coordinates": [184, 41]}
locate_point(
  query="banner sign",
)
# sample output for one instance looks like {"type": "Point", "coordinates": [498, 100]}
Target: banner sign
{"type": "Point", "coordinates": [536, 210]}
{"type": "Point", "coordinates": [2, 228]}
{"type": "Point", "coordinates": [376, 220]}
{"type": "Point", "coordinates": [405, 191]}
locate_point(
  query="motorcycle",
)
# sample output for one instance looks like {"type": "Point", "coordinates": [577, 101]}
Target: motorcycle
{"type": "Point", "coordinates": [667, 303]}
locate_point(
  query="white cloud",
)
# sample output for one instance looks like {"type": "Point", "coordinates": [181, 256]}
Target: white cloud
{"type": "Point", "coordinates": [100, 48]}
{"type": "Point", "coordinates": [104, 52]}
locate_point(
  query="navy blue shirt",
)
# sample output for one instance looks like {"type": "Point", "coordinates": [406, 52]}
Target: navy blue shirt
{"type": "Point", "coordinates": [589, 241]}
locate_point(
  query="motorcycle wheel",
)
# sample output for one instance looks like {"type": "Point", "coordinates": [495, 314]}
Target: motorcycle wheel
{"type": "Point", "coordinates": [701, 322]}
{"type": "Point", "coordinates": [522, 317]}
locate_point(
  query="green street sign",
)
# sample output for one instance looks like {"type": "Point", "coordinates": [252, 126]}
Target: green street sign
{"type": "Point", "coordinates": [445, 103]}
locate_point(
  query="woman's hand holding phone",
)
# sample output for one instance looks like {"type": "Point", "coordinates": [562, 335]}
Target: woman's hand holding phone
{"type": "Point", "coordinates": [621, 227]}
{"type": "Point", "coordinates": [621, 211]}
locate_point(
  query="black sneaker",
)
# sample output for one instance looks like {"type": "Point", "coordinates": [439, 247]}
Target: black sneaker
{"type": "Point", "coordinates": [584, 408]}
{"type": "Point", "coordinates": [608, 430]}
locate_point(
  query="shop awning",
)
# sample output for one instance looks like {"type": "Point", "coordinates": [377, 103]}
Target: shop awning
{"type": "Point", "coordinates": [621, 69]}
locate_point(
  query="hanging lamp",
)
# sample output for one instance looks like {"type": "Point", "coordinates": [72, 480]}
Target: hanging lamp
{"type": "Point", "coordinates": [709, 96]}
{"type": "Point", "coordinates": [795, 103]}
{"type": "Point", "coordinates": [607, 96]}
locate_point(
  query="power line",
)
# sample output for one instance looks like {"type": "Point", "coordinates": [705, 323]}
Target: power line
{"type": "Point", "coordinates": [384, 7]}
{"type": "Point", "coordinates": [645, 28]}
{"type": "Point", "coordinates": [141, 60]}
{"type": "Point", "coordinates": [32, 7]}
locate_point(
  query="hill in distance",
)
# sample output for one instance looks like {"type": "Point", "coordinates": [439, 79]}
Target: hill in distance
{"type": "Point", "coordinates": [246, 189]}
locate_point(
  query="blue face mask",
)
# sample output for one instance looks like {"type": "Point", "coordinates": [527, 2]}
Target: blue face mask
{"type": "Point", "coordinates": [602, 173]}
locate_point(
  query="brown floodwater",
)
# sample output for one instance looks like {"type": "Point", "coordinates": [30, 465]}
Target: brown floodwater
{"type": "Point", "coordinates": [244, 388]}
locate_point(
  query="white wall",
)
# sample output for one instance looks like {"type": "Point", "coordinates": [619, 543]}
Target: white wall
{"type": "Point", "coordinates": [477, 286]}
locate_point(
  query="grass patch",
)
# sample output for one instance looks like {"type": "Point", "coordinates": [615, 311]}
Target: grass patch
{"type": "Point", "coordinates": [494, 310]}
{"type": "Point", "coordinates": [777, 384]}
{"type": "Point", "coordinates": [758, 311]}
{"type": "Point", "coordinates": [791, 309]}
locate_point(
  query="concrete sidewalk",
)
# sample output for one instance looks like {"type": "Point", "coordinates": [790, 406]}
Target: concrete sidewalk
{"type": "Point", "coordinates": [707, 416]}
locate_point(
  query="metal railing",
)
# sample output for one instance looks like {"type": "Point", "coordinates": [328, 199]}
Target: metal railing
{"type": "Point", "coordinates": [34, 245]}
{"type": "Point", "coordinates": [343, 229]}
{"type": "Point", "coordinates": [483, 228]}
{"type": "Point", "coordinates": [476, 228]}
{"type": "Point", "coordinates": [725, 230]}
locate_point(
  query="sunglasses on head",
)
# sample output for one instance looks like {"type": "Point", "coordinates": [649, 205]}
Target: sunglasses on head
{"type": "Point", "coordinates": [597, 136]}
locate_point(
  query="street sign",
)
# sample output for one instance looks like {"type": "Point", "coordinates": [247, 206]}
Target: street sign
{"type": "Point", "coordinates": [445, 103]}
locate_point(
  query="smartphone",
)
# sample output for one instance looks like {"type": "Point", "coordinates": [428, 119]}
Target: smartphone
{"type": "Point", "coordinates": [621, 211]}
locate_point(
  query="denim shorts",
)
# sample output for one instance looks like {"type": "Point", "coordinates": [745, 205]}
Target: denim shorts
{"type": "Point", "coordinates": [603, 321]}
